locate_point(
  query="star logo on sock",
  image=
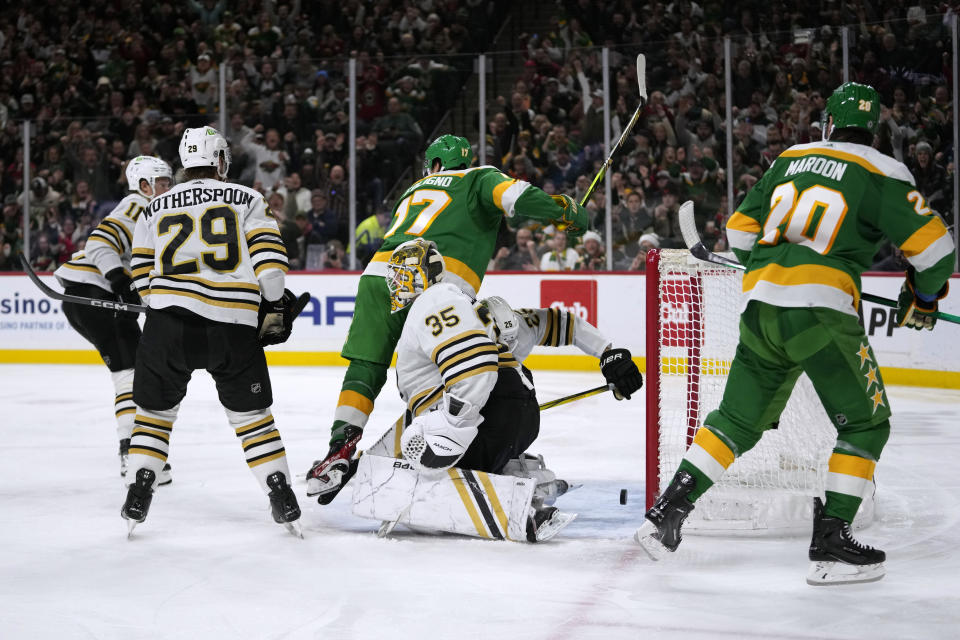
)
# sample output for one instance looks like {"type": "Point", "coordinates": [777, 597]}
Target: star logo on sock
{"type": "Point", "coordinates": [871, 376]}
{"type": "Point", "coordinates": [864, 354]}
{"type": "Point", "coordinates": [877, 398]}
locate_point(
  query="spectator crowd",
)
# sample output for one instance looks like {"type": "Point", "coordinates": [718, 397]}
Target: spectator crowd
{"type": "Point", "coordinates": [104, 81]}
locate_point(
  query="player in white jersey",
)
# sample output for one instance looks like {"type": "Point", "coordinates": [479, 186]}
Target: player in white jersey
{"type": "Point", "coordinates": [471, 403]}
{"type": "Point", "coordinates": [210, 265]}
{"type": "Point", "coordinates": [102, 271]}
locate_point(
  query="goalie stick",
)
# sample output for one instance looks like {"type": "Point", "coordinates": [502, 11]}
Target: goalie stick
{"type": "Point", "coordinates": [111, 305]}
{"type": "Point", "coordinates": [691, 237]}
{"type": "Point", "coordinates": [642, 83]}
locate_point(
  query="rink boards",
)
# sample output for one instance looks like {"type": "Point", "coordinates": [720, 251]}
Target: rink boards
{"type": "Point", "coordinates": [34, 330]}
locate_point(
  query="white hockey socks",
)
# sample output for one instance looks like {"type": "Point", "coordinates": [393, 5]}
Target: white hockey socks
{"type": "Point", "coordinates": [150, 440]}
{"type": "Point", "coordinates": [123, 405]}
{"type": "Point", "coordinates": [261, 442]}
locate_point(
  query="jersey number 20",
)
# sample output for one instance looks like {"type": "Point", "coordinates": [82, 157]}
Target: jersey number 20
{"type": "Point", "coordinates": [225, 237]}
{"type": "Point", "coordinates": [798, 212]}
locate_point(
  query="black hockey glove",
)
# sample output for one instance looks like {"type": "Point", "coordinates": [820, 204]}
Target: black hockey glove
{"type": "Point", "coordinates": [620, 371]}
{"type": "Point", "coordinates": [122, 286]}
{"type": "Point", "coordinates": [275, 320]}
{"type": "Point", "coordinates": [327, 477]}
{"type": "Point", "coordinates": [912, 310]}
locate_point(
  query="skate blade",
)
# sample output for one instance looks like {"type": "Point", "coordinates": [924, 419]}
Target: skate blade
{"type": "Point", "coordinates": [650, 544]}
{"type": "Point", "coordinates": [552, 527]}
{"type": "Point", "coordinates": [387, 526]}
{"type": "Point", "coordinates": [131, 525]}
{"type": "Point", "coordinates": [826, 574]}
{"type": "Point", "coordinates": [294, 528]}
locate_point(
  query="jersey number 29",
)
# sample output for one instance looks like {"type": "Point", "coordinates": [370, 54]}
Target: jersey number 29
{"type": "Point", "coordinates": [226, 237]}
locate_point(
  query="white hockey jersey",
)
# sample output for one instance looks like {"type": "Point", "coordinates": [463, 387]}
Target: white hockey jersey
{"type": "Point", "coordinates": [445, 347]}
{"type": "Point", "coordinates": [108, 246]}
{"type": "Point", "coordinates": [556, 328]}
{"type": "Point", "coordinates": [209, 247]}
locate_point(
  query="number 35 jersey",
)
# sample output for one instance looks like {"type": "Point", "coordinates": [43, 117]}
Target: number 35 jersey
{"type": "Point", "coordinates": [209, 247]}
{"type": "Point", "coordinates": [812, 224]}
{"type": "Point", "coordinates": [445, 347]}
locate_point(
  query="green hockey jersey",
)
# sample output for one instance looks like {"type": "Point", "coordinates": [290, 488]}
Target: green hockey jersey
{"type": "Point", "coordinates": [811, 226]}
{"type": "Point", "coordinates": [460, 210]}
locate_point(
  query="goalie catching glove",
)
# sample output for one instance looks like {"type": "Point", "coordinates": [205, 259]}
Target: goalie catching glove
{"type": "Point", "coordinates": [438, 439]}
{"type": "Point", "coordinates": [574, 219]}
{"type": "Point", "coordinates": [620, 370]}
{"type": "Point", "coordinates": [328, 476]}
{"type": "Point", "coordinates": [275, 320]}
{"type": "Point", "coordinates": [915, 309]}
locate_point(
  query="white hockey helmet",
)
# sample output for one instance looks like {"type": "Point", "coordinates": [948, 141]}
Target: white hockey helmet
{"type": "Point", "coordinates": [412, 267]}
{"type": "Point", "coordinates": [205, 147]}
{"type": "Point", "coordinates": [147, 168]}
{"type": "Point", "coordinates": [508, 324]}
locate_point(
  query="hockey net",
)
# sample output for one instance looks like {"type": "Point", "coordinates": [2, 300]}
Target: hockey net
{"type": "Point", "coordinates": [693, 314]}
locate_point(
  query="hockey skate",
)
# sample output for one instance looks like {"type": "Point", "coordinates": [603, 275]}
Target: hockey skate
{"type": "Point", "coordinates": [836, 556]}
{"type": "Point", "coordinates": [139, 496]}
{"type": "Point", "coordinates": [283, 503]}
{"type": "Point", "coordinates": [548, 488]}
{"type": "Point", "coordinates": [660, 532]}
{"type": "Point", "coordinates": [546, 522]}
{"type": "Point", "coordinates": [327, 477]}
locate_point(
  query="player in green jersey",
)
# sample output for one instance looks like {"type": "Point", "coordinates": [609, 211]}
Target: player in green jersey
{"type": "Point", "coordinates": [806, 232]}
{"type": "Point", "coordinates": [459, 208]}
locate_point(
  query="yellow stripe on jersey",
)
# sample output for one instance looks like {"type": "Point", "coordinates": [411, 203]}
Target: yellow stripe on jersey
{"type": "Point", "coordinates": [81, 267]}
{"type": "Point", "coordinates": [139, 272]}
{"type": "Point", "coordinates": [270, 458]}
{"type": "Point", "coordinates": [923, 237]}
{"type": "Point", "coordinates": [269, 264]}
{"type": "Point", "coordinates": [851, 465]}
{"type": "Point", "coordinates": [110, 242]}
{"type": "Point", "coordinates": [460, 336]}
{"type": "Point", "coordinates": [110, 230]}
{"type": "Point", "coordinates": [494, 502]}
{"type": "Point", "coordinates": [250, 428]}
{"type": "Point", "coordinates": [142, 252]}
{"type": "Point", "coordinates": [124, 412]}
{"type": "Point", "coordinates": [215, 285]}
{"type": "Point", "coordinates": [123, 396]}
{"type": "Point", "coordinates": [460, 358]}
{"type": "Point", "coordinates": [162, 435]}
{"type": "Point", "coordinates": [742, 222]}
{"type": "Point", "coordinates": [157, 422]}
{"type": "Point", "coordinates": [498, 192]}
{"type": "Point", "coordinates": [833, 153]}
{"type": "Point", "coordinates": [713, 445]}
{"type": "Point", "coordinates": [571, 323]}
{"type": "Point", "coordinates": [254, 232]}
{"type": "Point", "coordinates": [117, 225]}
{"type": "Point", "coordinates": [803, 274]}
{"type": "Point", "coordinates": [269, 245]}
{"type": "Point", "coordinates": [356, 400]}
{"type": "Point", "coordinates": [161, 290]}
{"type": "Point", "coordinates": [460, 484]}
{"type": "Point", "coordinates": [273, 434]}
{"type": "Point", "coordinates": [489, 368]}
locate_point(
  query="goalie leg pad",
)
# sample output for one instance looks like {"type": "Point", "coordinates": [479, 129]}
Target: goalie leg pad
{"type": "Point", "coordinates": [471, 503]}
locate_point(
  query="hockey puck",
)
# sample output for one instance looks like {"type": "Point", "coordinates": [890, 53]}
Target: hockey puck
{"type": "Point", "coordinates": [623, 496]}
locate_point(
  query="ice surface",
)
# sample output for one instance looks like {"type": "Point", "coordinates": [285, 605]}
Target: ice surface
{"type": "Point", "coordinates": [210, 563]}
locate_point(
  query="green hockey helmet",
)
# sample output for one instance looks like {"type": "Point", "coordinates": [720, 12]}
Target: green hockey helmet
{"type": "Point", "coordinates": [852, 105]}
{"type": "Point", "coordinates": [451, 151]}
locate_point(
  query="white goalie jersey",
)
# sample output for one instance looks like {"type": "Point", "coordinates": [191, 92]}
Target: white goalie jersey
{"type": "Point", "coordinates": [209, 247]}
{"type": "Point", "coordinates": [108, 246]}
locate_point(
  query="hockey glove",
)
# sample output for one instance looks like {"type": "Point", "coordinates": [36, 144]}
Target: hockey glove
{"type": "Point", "coordinates": [574, 219]}
{"type": "Point", "coordinates": [436, 440]}
{"type": "Point", "coordinates": [328, 476]}
{"type": "Point", "coordinates": [915, 309]}
{"type": "Point", "coordinates": [122, 287]}
{"type": "Point", "coordinates": [621, 371]}
{"type": "Point", "coordinates": [275, 320]}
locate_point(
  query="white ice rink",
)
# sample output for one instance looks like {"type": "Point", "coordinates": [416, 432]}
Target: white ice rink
{"type": "Point", "coordinates": [210, 563]}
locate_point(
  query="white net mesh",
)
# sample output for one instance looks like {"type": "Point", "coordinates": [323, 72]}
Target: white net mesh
{"type": "Point", "coordinates": [769, 487]}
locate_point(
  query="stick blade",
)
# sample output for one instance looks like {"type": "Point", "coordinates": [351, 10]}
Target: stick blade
{"type": "Point", "coordinates": [688, 225]}
{"type": "Point", "coordinates": [642, 76]}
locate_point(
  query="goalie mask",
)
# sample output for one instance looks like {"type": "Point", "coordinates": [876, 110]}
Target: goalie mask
{"type": "Point", "coordinates": [147, 168]}
{"type": "Point", "coordinates": [412, 267]}
{"type": "Point", "coordinates": [205, 147]}
{"type": "Point", "coordinates": [506, 321]}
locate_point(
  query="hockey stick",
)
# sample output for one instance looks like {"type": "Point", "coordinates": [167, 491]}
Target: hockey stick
{"type": "Point", "coordinates": [691, 237]}
{"type": "Point", "coordinates": [576, 396]}
{"type": "Point", "coordinates": [642, 82]}
{"type": "Point", "coordinates": [112, 305]}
